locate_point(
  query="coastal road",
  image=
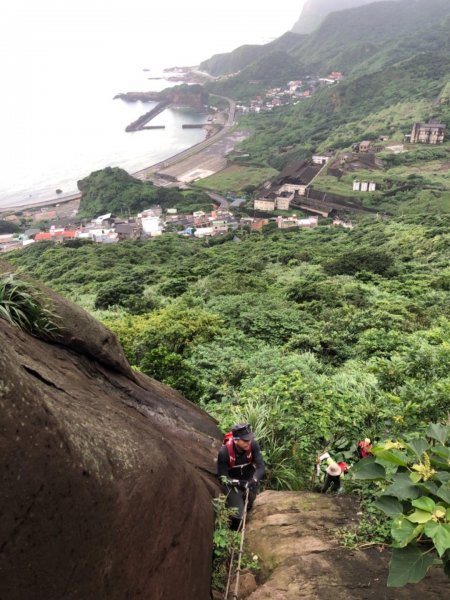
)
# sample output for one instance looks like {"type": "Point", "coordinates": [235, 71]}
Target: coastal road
{"type": "Point", "coordinates": [206, 157]}
{"type": "Point", "coordinates": [194, 151]}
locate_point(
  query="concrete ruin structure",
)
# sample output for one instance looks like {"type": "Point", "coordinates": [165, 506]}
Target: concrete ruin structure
{"type": "Point", "coordinates": [428, 133]}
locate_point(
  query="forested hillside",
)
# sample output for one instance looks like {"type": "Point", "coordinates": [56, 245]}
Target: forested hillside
{"type": "Point", "coordinates": [309, 334]}
{"type": "Point", "coordinates": [231, 62]}
{"type": "Point", "coordinates": [317, 337]}
{"type": "Point", "coordinates": [354, 106]}
{"type": "Point", "coordinates": [113, 190]}
{"type": "Point", "coordinates": [347, 38]}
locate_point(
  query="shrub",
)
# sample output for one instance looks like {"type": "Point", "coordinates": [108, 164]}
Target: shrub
{"type": "Point", "coordinates": [22, 305]}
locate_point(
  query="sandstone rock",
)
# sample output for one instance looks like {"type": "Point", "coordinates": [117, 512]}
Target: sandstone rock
{"type": "Point", "coordinates": [291, 532]}
{"type": "Point", "coordinates": [80, 331]}
{"type": "Point", "coordinates": [107, 477]}
{"type": "Point", "coordinates": [247, 584]}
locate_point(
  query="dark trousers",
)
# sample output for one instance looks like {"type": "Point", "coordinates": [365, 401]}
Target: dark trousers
{"type": "Point", "coordinates": [333, 481]}
{"type": "Point", "coordinates": [236, 499]}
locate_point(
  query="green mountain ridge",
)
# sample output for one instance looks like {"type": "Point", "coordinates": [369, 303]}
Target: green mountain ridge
{"type": "Point", "coordinates": [231, 62]}
{"type": "Point", "coordinates": [410, 64]}
{"type": "Point", "coordinates": [345, 39]}
{"type": "Point", "coordinates": [315, 11]}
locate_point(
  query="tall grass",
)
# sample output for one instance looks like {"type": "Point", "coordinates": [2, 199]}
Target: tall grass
{"type": "Point", "coordinates": [22, 305]}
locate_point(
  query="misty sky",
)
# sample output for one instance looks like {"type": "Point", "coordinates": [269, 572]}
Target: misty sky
{"type": "Point", "coordinates": [62, 29]}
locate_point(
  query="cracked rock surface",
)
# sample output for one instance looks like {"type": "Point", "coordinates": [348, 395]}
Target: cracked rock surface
{"type": "Point", "coordinates": [291, 532]}
{"type": "Point", "coordinates": [106, 475]}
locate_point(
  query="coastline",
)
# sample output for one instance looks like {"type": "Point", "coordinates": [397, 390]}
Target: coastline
{"type": "Point", "coordinates": [144, 173]}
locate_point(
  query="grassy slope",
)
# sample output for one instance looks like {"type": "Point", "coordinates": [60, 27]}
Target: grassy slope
{"type": "Point", "coordinates": [236, 178]}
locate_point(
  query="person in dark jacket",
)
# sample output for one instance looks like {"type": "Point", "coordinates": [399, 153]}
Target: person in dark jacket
{"type": "Point", "coordinates": [240, 467]}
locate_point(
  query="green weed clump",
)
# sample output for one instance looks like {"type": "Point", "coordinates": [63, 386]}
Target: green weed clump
{"type": "Point", "coordinates": [23, 306]}
{"type": "Point", "coordinates": [226, 547]}
{"type": "Point", "coordinates": [412, 478]}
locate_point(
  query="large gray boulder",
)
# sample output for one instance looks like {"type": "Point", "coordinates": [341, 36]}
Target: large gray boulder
{"type": "Point", "coordinates": [107, 475]}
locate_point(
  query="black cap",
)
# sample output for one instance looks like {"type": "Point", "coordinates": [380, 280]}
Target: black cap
{"type": "Point", "coordinates": [242, 431]}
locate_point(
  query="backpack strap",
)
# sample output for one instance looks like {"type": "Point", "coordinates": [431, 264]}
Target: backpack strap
{"type": "Point", "coordinates": [231, 453]}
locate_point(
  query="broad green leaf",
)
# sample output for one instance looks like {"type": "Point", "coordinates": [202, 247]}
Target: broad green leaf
{"type": "Point", "coordinates": [424, 503]}
{"type": "Point", "coordinates": [402, 488]}
{"type": "Point", "coordinates": [447, 515]}
{"type": "Point", "coordinates": [430, 528]}
{"type": "Point", "coordinates": [439, 432]}
{"type": "Point", "coordinates": [444, 492]}
{"type": "Point", "coordinates": [415, 477]}
{"type": "Point", "coordinates": [441, 538]}
{"type": "Point", "coordinates": [403, 531]}
{"type": "Point", "coordinates": [368, 469]}
{"type": "Point", "coordinates": [443, 476]}
{"type": "Point", "coordinates": [394, 457]}
{"type": "Point", "coordinates": [408, 565]}
{"type": "Point", "coordinates": [438, 462]}
{"type": "Point", "coordinates": [442, 451]}
{"type": "Point", "coordinates": [419, 516]}
{"type": "Point", "coordinates": [427, 486]}
{"type": "Point", "coordinates": [418, 446]}
{"type": "Point", "coordinates": [389, 505]}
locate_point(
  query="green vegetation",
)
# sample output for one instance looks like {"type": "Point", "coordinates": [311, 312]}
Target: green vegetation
{"type": "Point", "coordinates": [8, 227]}
{"type": "Point", "coordinates": [413, 475]}
{"type": "Point", "coordinates": [113, 190]}
{"type": "Point", "coordinates": [237, 179]}
{"type": "Point", "coordinates": [415, 181]}
{"type": "Point", "coordinates": [309, 335]}
{"type": "Point", "coordinates": [306, 334]}
{"type": "Point", "coordinates": [333, 116]}
{"type": "Point", "coordinates": [22, 305]}
{"type": "Point", "coordinates": [375, 37]}
{"type": "Point", "coordinates": [232, 62]}
{"type": "Point", "coordinates": [226, 547]}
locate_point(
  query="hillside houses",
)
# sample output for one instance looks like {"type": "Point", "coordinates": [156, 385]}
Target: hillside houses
{"type": "Point", "coordinates": [292, 92]}
{"type": "Point", "coordinates": [427, 133]}
{"type": "Point", "coordinates": [293, 181]}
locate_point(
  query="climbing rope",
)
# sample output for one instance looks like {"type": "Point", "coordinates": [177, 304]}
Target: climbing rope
{"type": "Point", "coordinates": [241, 548]}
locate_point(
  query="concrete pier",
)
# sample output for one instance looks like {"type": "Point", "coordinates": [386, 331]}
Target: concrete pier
{"type": "Point", "coordinates": [147, 117]}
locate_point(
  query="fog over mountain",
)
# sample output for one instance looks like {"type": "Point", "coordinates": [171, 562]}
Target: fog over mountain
{"type": "Point", "coordinates": [314, 12]}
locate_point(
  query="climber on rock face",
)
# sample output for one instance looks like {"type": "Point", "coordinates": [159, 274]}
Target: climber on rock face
{"type": "Point", "coordinates": [240, 468]}
{"type": "Point", "coordinates": [333, 473]}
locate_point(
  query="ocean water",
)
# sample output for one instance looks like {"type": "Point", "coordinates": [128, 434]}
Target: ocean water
{"type": "Point", "coordinates": [63, 62]}
{"type": "Point", "coordinates": [70, 126]}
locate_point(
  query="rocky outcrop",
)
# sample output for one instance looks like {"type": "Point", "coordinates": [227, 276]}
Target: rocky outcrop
{"type": "Point", "coordinates": [292, 534]}
{"type": "Point", "coordinates": [107, 475]}
{"type": "Point", "coordinates": [187, 95]}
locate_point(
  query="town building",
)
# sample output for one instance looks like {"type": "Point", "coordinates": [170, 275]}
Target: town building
{"type": "Point", "coordinates": [293, 221]}
{"type": "Point", "coordinates": [428, 133]}
{"type": "Point", "coordinates": [321, 159]}
{"type": "Point", "coordinates": [283, 201]}
{"type": "Point", "coordinates": [151, 225]}
{"type": "Point", "coordinates": [127, 231]}
{"type": "Point", "coordinates": [265, 204]}
{"type": "Point", "coordinates": [364, 146]}
{"type": "Point", "coordinates": [364, 186]}
{"type": "Point", "coordinates": [396, 148]}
